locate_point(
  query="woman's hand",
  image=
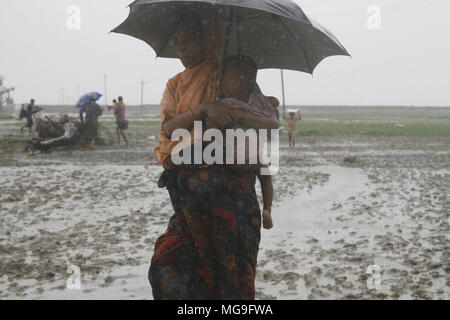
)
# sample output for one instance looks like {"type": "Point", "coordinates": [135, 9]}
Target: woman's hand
{"type": "Point", "coordinates": [183, 120]}
{"type": "Point", "coordinates": [218, 115]}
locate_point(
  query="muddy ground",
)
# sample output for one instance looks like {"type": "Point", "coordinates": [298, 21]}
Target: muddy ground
{"type": "Point", "coordinates": [357, 216]}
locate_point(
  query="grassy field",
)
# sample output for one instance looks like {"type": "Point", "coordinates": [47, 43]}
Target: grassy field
{"type": "Point", "coordinates": [416, 129]}
{"type": "Point", "coordinates": [133, 123]}
{"type": "Point", "coordinates": [378, 114]}
{"type": "Point", "coordinates": [316, 127]}
{"type": "Point", "coordinates": [326, 120]}
{"type": "Point", "coordinates": [106, 123]}
{"type": "Point", "coordinates": [413, 129]}
{"type": "Point", "coordinates": [5, 115]}
{"type": "Point", "coordinates": [9, 146]}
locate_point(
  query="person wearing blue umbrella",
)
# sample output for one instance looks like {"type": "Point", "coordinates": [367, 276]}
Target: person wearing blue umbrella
{"type": "Point", "coordinates": [93, 111]}
{"type": "Point", "coordinates": [87, 97]}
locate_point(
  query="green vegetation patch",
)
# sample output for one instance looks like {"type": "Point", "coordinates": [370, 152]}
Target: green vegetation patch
{"type": "Point", "coordinates": [134, 123]}
{"type": "Point", "coordinates": [417, 129]}
{"type": "Point", "coordinates": [9, 146]}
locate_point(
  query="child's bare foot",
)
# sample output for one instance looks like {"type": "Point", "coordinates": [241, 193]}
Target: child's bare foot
{"type": "Point", "coordinates": [267, 219]}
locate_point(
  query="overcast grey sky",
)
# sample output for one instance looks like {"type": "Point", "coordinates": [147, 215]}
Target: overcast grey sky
{"type": "Point", "coordinates": [406, 62]}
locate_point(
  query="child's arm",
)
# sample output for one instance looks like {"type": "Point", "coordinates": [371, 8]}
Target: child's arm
{"type": "Point", "coordinates": [246, 119]}
{"type": "Point", "coordinates": [254, 121]}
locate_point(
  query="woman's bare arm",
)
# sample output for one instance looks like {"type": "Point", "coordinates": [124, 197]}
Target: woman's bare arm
{"type": "Point", "coordinates": [182, 121]}
{"type": "Point", "coordinates": [220, 114]}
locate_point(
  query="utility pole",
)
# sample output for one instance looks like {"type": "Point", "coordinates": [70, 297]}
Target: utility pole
{"type": "Point", "coordinates": [78, 90]}
{"type": "Point", "coordinates": [106, 94]}
{"type": "Point", "coordinates": [61, 96]}
{"type": "Point", "coordinates": [142, 94]}
{"type": "Point", "coordinates": [5, 91]}
{"type": "Point", "coordinates": [282, 88]}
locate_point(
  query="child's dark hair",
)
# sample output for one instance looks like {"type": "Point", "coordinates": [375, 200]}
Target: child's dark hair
{"type": "Point", "coordinates": [244, 65]}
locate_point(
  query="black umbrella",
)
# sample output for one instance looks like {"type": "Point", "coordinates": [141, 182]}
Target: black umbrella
{"type": "Point", "coordinates": [275, 33]}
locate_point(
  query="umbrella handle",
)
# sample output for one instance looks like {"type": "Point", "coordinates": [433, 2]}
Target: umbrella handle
{"type": "Point", "coordinates": [225, 52]}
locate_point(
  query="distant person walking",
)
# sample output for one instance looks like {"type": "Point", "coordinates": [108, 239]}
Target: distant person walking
{"type": "Point", "coordinates": [93, 111]}
{"type": "Point", "coordinates": [28, 114]}
{"type": "Point", "coordinates": [292, 128]}
{"type": "Point", "coordinates": [114, 106]}
{"type": "Point", "coordinates": [122, 123]}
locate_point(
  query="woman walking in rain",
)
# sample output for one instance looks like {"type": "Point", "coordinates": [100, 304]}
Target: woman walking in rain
{"type": "Point", "coordinates": [210, 248]}
{"type": "Point", "coordinates": [292, 122]}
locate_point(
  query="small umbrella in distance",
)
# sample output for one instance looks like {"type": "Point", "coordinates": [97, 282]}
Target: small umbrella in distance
{"type": "Point", "coordinates": [37, 109]}
{"type": "Point", "coordinates": [86, 97]}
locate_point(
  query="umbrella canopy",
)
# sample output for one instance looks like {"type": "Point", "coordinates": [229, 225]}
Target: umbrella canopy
{"type": "Point", "coordinates": [275, 33]}
{"type": "Point", "coordinates": [85, 98]}
{"type": "Point", "coordinates": [37, 109]}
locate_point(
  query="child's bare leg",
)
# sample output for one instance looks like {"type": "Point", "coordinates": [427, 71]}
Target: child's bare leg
{"type": "Point", "coordinates": [267, 195]}
{"type": "Point", "coordinates": [124, 136]}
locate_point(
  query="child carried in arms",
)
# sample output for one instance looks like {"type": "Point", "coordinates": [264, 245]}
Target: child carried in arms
{"type": "Point", "coordinates": [238, 89]}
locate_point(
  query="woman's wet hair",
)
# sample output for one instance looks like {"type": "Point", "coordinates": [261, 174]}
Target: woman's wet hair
{"type": "Point", "coordinates": [189, 20]}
